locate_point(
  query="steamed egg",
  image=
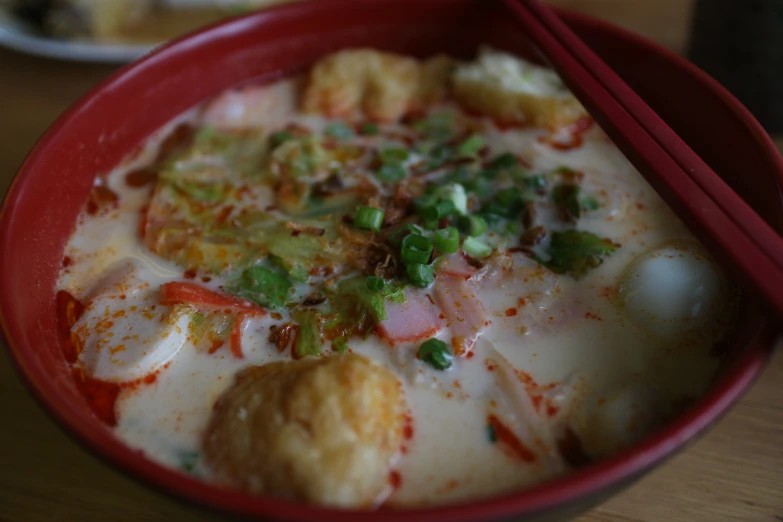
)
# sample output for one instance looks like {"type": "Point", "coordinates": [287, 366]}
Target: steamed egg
{"type": "Point", "coordinates": [673, 290]}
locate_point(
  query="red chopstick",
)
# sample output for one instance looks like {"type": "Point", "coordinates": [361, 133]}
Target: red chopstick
{"type": "Point", "coordinates": [716, 214]}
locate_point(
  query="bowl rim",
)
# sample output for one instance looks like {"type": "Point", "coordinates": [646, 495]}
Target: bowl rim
{"type": "Point", "coordinates": [580, 484]}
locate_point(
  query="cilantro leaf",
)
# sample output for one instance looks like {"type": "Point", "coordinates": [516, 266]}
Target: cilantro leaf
{"type": "Point", "coordinates": [575, 252]}
{"type": "Point", "coordinates": [566, 197]}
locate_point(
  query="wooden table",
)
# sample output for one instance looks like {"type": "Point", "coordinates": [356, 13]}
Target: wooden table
{"type": "Point", "coordinates": [733, 473]}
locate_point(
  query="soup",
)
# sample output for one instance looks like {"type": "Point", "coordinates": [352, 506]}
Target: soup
{"type": "Point", "coordinates": [390, 282]}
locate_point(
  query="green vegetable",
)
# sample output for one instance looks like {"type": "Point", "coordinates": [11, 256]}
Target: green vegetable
{"type": "Point", "coordinates": [340, 344]}
{"type": "Point", "coordinates": [534, 182]}
{"type": "Point", "coordinates": [416, 249]}
{"type": "Point", "coordinates": [309, 336]}
{"type": "Point", "coordinates": [394, 292]}
{"type": "Point", "coordinates": [505, 161]}
{"type": "Point", "coordinates": [188, 460]}
{"type": "Point", "coordinates": [436, 353]}
{"type": "Point", "coordinates": [491, 434]}
{"type": "Point", "coordinates": [473, 226]}
{"type": "Point", "coordinates": [566, 196]}
{"type": "Point", "coordinates": [278, 138]}
{"type": "Point", "coordinates": [396, 237]}
{"type": "Point", "coordinates": [391, 172]}
{"type": "Point", "coordinates": [369, 129]}
{"type": "Point", "coordinates": [455, 193]}
{"type": "Point", "coordinates": [575, 252]}
{"type": "Point", "coordinates": [436, 126]}
{"type": "Point", "coordinates": [393, 155]}
{"type": "Point", "coordinates": [354, 297]}
{"type": "Point", "coordinates": [375, 284]}
{"type": "Point", "coordinates": [590, 203]}
{"type": "Point", "coordinates": [476, 248]}
{"type": "Point", "coordinates": [420, 274]}
{"type": "Point", "coordinates": [471, 145]}
{"type": "Point", "coordinates": [447, 240]}
{"type": "Point", "coordinates": [369, 218]}
{"type": "Point", "coordinates": [439, 155]}
{"type": "Point", "coordinates": [263, 286]}
{"type": "Point", "coordinates": [339, 131]}
{"type": "Point", "coordinates": [437, 211]}
{"type": "Point", "coordinates": [480, 186]}
{"type": "Point", "coordinates": [508, 203]}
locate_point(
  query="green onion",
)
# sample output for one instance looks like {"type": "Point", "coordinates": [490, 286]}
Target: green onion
{"type": "Point", "coordinates": [535, 182]}
{"type": "Point", "coordinates": [507, 203]}
{"type": "Point", "coordinates": [505, 161]}
{"type": "Point", "coordinates": [375, 284]}
{"type": "Point", "coordinates": [339, 131]}
{"type": "Point", "coordinates": [391, 172]}
{"type": "Point", "coordinates": [369, 129]}
{"type": "Point", "coordinates": [279, 137]}
{"type": "Point", "coordinates": [436, 126]}
{"type": "Point", "coordinates": [471, 145]}
{"type": "Point", "coordinates": [416, 249]}
{"type": "Point", "coordinates": [492, 434]}
{"type": "Point", "coordinates": [340, 344]}
{"type": "Point", "coordinates": [476, 248]}
{"type": "Point", "coordinates": [394, 237]}
{"type": "Point", "coordinates": [461, 174]}
{"type": "Point", "coordinates": [393, 155]}
{"type": "Point", "coordinates": [424, 201]}
{"type": "Point", "coordinates": [369, 218]}
{"type": "Point", "coordinates": [590, 203]}
{"type": "Point", "coordinates": [472, 225]}
{"type": "Point", "coordinates": [447, 240]}
{"type": "Point", "coordinates": [479, 186]}
{"type": "Point", "coordinates": [455, 193]}
{"type": "Point", "coordinates": [436, 353]}
{"type": "Point", "coordinates": [438, 211]}
{"type": "Point", "coordinates": [420, 274]}
{"type": "Point", "coordinates": [439, 155]}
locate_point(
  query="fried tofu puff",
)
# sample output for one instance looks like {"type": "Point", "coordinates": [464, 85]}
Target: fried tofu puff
{"type": "Point", "coordinates": [515, 91]}
{"type": "Point", "coordinates": [380, 86]}
{"type": "Point", "coordinates": [324, 431]}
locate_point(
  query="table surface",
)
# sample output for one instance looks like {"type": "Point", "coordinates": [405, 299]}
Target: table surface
{"type": "Point", "coordinates": [735, 472]}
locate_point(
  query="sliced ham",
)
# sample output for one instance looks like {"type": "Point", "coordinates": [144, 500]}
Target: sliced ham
{"type": "Point", "coordinates": [456, 265]}
{"type": "Point", "coordinates": [465, 313]}
{"type": "Point", "coordinates": [414, 320]}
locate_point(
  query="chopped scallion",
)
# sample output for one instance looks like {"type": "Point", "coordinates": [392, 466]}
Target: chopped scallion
{"type": "Point", "coordinates": [436, 353]}
{"type": "Point", "coordinates": [278, 138]}
{"type": "Point", "coordinates": [473, 144]}
{"type": "Point", "coordinates": [391, 172]}
{"type": "Point", "coordinates": [472, 225]}
{"type": "Point", "coordinates": [369, 218]}
{"type": "Point", "coordinates": [439, 210]}
{"type": "Point", "coordinates": [447, 240]}
{"type": "Point", "coordinates": [420, 274]}
{"type": "Point", "coordinates": [393, 155]}
{"type": "Point", "coordinates": [589, 203]}
{"type": "Point", "coordinates": [476, 248]}
{"type": "Point", "coordinates": [416, 249]}
{"type": "Point", "coordinates": [505, 161]}
{"type": "Point", "coordinates": [339, 131]}
{"type": "Point", "coordinates": [369, 129]}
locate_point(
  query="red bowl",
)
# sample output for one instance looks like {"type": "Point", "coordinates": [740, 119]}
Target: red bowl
{"type": "Point", "coordinates": [52, 186]}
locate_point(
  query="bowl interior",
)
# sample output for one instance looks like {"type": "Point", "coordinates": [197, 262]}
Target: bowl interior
{"type": "Point", "coordinates": [111, 122]}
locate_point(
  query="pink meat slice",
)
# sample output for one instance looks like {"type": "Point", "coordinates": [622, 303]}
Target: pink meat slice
{"type": "Point", "coordinates": [466, 315]}
{"type": "Point", "coordinates": [415, 319]}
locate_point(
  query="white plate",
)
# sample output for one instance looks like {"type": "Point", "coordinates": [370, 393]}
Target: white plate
{"type": "Point", "coordinates": [16, 35]}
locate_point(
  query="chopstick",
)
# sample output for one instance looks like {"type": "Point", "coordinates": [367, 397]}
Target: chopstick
{"type": "Point", "coordinates": [718, 216]}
